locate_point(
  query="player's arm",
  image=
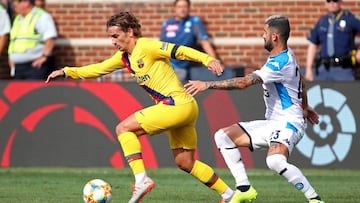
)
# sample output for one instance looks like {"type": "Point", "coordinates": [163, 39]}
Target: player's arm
{"type": "Point", "coordinates": [174, 51]}
{"type": "Point", "coordinates": [194, 87]}
{"type": "Point", "coordinates": [90, 71]}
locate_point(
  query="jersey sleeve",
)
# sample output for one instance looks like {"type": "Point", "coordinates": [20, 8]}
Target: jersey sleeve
{"type": "Point", "coordinates": [187, 53]}
{"type": "Point", "coordinates": [199, 29]}
{"type": "Point", "coordinates": [268, 75]}
{"type": "Point", "coordinates": [97, 69]}
{"type": "Point", "coordinates": [159, 49]}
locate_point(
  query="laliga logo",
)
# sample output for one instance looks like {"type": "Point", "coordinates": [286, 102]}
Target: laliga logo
{"type": "Point", "coordinates": [334, 131]}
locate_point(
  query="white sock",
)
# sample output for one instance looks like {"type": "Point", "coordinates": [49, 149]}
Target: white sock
{"type": "Point", "coordinates": [295, 176]}
{"type": "Point", "coordinates": [232, 157]}
{"type": "Point", "coordinates": [291, 173]}
{"type": "Point", "coordinates": [140, 177]}
{"type": "Point", "coordinates": [227, 194]}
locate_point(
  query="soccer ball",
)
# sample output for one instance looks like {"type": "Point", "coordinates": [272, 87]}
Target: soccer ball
{"type": "Point", "coordinates": [97, 191]}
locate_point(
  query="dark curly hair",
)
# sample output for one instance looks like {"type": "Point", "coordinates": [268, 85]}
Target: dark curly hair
{"type": "Point", "coordinates": [125, 20]}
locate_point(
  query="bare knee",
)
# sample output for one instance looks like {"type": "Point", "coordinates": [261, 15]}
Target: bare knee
{"type": "Point", "coordinates": [232, 135]}
{"type": "Point", "coordinates": [121, 128]}
{"type": "Point", "coordinates": [185, 161]}
{"type": "Point", "coordinates": [130, 124]}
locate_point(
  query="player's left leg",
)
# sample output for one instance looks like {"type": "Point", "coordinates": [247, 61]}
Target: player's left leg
{"type": "Point", "coordinates": [201, 171]}
{"type": "Point", "coordinates": [276, 160]}
{"type": "Point", "coordinates": [183, 142]}
{"type": "Point", "coordinates": [151, 120]}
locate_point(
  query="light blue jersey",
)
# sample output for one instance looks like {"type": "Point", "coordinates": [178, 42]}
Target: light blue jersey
{"type": "Point", "coordinates": [282, 89]}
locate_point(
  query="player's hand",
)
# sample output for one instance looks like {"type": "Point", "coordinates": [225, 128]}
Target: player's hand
{"type": "Point", "coordinates": [195, 86]}
{"type": "Point", "coordinates": [311, 115]}
{"type": "Point", "coordinates": [54, 74]}
{"type": "Point", "coordinates": [216, 67]}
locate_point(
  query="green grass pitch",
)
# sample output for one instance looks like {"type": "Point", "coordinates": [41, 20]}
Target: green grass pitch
{"type": "Point", "coordinates": [64, 185]}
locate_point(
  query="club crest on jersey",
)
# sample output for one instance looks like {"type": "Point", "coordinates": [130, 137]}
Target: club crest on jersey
{"type": "Point", "coordinates": [140, 63]}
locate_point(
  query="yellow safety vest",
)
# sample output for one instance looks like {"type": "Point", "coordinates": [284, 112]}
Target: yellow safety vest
{"type": "Point", "coordinates": [22, 34]}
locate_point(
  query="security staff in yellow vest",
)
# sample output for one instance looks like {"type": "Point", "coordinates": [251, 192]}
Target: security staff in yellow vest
{"type": "Point", "coordinates": [32, 39]}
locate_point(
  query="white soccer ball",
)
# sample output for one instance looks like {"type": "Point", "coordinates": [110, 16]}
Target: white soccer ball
{"type": "Point", "coordinates": [97, 191]}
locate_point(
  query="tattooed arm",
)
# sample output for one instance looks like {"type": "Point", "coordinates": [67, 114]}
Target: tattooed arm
{"type": "Point", "coordinates": [194, 87]}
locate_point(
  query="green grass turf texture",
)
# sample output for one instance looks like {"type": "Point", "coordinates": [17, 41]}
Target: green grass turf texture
{"type": "Point", "coordinates": [64, 185]}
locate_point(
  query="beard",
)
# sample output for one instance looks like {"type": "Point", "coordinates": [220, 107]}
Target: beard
{"type": "Point", "coordinates": [268, 45]}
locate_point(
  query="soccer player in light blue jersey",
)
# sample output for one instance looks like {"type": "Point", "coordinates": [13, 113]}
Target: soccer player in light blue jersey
{"type": "Point", "coordinates": [285, 119]}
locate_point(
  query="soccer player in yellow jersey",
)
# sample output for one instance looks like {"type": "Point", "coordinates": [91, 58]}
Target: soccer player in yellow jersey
{"type": "Point", "coordinates": [148, 61]}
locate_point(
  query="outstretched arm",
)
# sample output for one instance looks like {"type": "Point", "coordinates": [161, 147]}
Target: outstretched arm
{"type": "Point", "coordinates": [194, 87]}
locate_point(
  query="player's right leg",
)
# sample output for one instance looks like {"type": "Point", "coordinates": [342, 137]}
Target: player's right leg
{"type": "Point", "coordinates": [128, 132]}
{"type": "Point", "coordinates": [231, 154]}
{"type": "Point", "coordinates": [279, 164]}
{"type": "Point", "coordinates": [281, 145]}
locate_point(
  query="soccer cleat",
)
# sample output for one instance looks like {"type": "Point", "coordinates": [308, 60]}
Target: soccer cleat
{"type": "Point", "coordinates": [139, 191]}
{"type": "Point", "coordinates": [242, 197]}
{"type": "Point", "coordinates": [316, 201]}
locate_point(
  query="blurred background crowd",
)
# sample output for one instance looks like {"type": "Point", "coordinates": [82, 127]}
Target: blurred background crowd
{"type": "Point", "coordinates": [38, 36]}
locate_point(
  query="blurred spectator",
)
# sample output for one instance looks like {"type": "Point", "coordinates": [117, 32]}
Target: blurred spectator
{"type": "Point", "coordinates": [184, 29]}
{"type": "Point", "coordinates": [40, 4]}
{"type": "Point", "coordinates": [8, 5]}
{"type": "Point", "coordinates": [5, 26]}
{"type": "Point", "coordinates": [32, 39]}
{"type": "Point", "coordinates": [335, 34]}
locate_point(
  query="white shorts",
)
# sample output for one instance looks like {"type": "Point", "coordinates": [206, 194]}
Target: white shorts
{"type": "Point", "coordinates": [262, 132]}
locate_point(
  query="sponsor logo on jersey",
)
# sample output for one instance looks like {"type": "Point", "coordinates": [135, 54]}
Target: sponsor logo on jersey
{"type": "Point", "coordinates": [172, 27]}
{"type": "Point", "coordinates": [142, 78]}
